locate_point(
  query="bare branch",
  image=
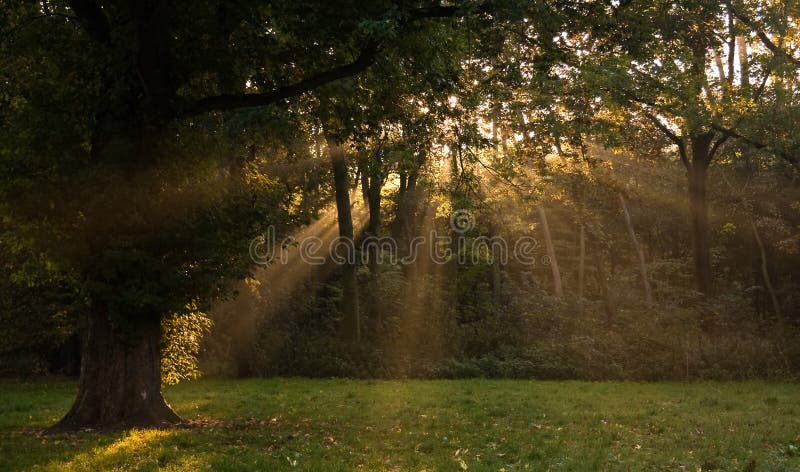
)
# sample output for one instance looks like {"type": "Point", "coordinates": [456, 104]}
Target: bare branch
{"type": "Point", "coordinates": [717, 145]}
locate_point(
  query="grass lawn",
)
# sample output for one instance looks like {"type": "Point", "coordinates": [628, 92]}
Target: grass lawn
{"type": "Point", "coordinates": [319, 425]}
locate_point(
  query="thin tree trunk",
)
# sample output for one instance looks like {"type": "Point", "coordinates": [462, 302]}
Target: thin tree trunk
{"type": "Point", "coordinates": [497, 284]}
{"type": "Point", "coordinates": [374, 186]}
{"type": "Point", "coordinates": [120, 382]}
{"type": "Point", "coordinates": [765, 272]}
{"type": "Point", "coordinates": [363, 179]}
{"type": "Point", "coordinates": [581, 263]}
{"type": "Point", "coordinates": [720, 68]}
{"type": "Point", "coordinates": [744, 63]}
{"type": "Point", "coordinates": [404, 225]}
{"type": "Point", "coordinates": [349, 306]}
{"type": "Point", "coordinates": [496, 269]}
{"type": "Point", "coordinates": [731, 47]}
{"type": "Point", "coordinates": [698, 200]}
{"type": "Point", "coordinates": [551, 254]}
{"type": "Point", "coordinates": [499, 142]}
{"type": "Point", "coordinates": [639, 251]}
{"type": "Point", "coordinates": [496, 131]}
{"type": "Point", "coordinates": [608, 302]}
{"type": "Point", "coordinates": [398, 224]}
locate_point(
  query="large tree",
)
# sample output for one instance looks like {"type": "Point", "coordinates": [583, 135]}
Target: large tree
{"type": "Point", "coordinates": [117, 168]}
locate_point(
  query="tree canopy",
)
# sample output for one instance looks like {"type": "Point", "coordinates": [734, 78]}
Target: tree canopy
{"type": "Point", "coordinates": [147, 147]}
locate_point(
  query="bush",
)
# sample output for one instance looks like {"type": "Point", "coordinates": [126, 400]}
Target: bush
{"type": "Point", "coordinates": [443, 333]}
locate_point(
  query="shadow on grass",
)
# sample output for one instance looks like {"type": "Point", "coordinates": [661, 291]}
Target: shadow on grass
{"type": "Point", "coordinates": [301, 424]}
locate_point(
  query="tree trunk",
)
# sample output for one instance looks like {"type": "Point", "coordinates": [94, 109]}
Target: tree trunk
{"type": "Point", "coordinates": [120, 381]}
{"type": "Point", "coordinates": [404, 225]}
{"type": "Point", "coordinates": [374, 201]}
{"type": "Point", "coordinates": [648, 295]}
{"type": "Point", "coordinates": [349, 306]}
{"type": "Point", "coordinates": [581, 264]}
{"type": "Point", "coordinates": [744, 63]}
{"type": "Point", "coordinates": [497, 277]}
{"type": "Point", "coordinates": [720, 68]}
{"type": "Point", "coordinates": [731, 47]}
{"type": "Point", "coordinates": [698, 170]}
{"type": "Point", "coordinates": [551, 254]}
{"type": "Point", "coordinates": [496, 269]}
{"type": "Point", "coordinates": [374, 187]}
{"type": "Point", "coordinates": [608, 301]}
{"type": "Point", "coordinates": [765, 272]}
{"type": "Point", "coordinates": [363, 179]}
{"type": "Point", "coordinates": [120, 366]}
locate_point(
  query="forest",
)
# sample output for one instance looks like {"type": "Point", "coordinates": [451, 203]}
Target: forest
{"type": "Point", "coordinates": [379, 204]}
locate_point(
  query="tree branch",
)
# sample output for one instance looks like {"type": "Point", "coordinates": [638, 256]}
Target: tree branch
{"type": "Point", "coordinates": [364, 60]}
{"type": "Point", "coordinates": [663, 128]}
{"type": "Point", "coordinates": [765, 40]}
{"type": "Point", "coordinates": [717, 145]}
{"type": "Point", "coordinates": [677, 140]}
{"type": "Point", "coordinates": [235, 101]}
{"type": "Point", "coordinates": [732, 133]}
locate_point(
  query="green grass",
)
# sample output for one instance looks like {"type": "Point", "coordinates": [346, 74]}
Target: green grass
{"type": "Point", "coordinates": [319, 425]}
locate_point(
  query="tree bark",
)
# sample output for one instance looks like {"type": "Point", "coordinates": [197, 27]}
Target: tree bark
{"type": "Point", "coordinates": [608, 301]}
{"type": "Point", "coordinates": [362, 178]}
{"type": "Point", "coordinates": [374, 180]}
{"type": "Point", "coordinates": [731, 47]}
{"type": "Point", "coordinates": [374, 188]}
{"type": "Point", "coordinates": [349, 306]}
{"type": "Point", "coordinates": [496, 269]}
{"type": "Point", "coordinates": [407, 199]}
{"type": "Point", "coordinates": [120, 382]}
{"type": "Point", "coordinates": [551, 254]}
{"type": "Point", "coordinates": [720, 68]}
{"type": "Point", "coordinates": [698, 202]}
{"type": "Point", "coordinates": [648, 295]}
{"type": "Point", "coordinates": [120, 367]}
{"type": "Point", "coordinates": [765, 272]}
{"type": "Point", "coordinates": [581, 264]}
{"type": "Point", "coordinates": [744, 63]}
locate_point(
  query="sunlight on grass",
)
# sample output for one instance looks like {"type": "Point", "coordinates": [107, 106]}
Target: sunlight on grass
{"type": "Point", "coordinates": [344, 425]}
{"type": "Point", "coordinates": [133, 451]}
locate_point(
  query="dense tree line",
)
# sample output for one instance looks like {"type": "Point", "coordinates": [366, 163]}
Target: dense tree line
{"type": "Point", "coordinates": [648, 147]}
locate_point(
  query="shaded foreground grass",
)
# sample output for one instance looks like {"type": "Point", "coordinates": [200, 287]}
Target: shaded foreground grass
{"type": "Point", "coordinates": [320, 425]}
